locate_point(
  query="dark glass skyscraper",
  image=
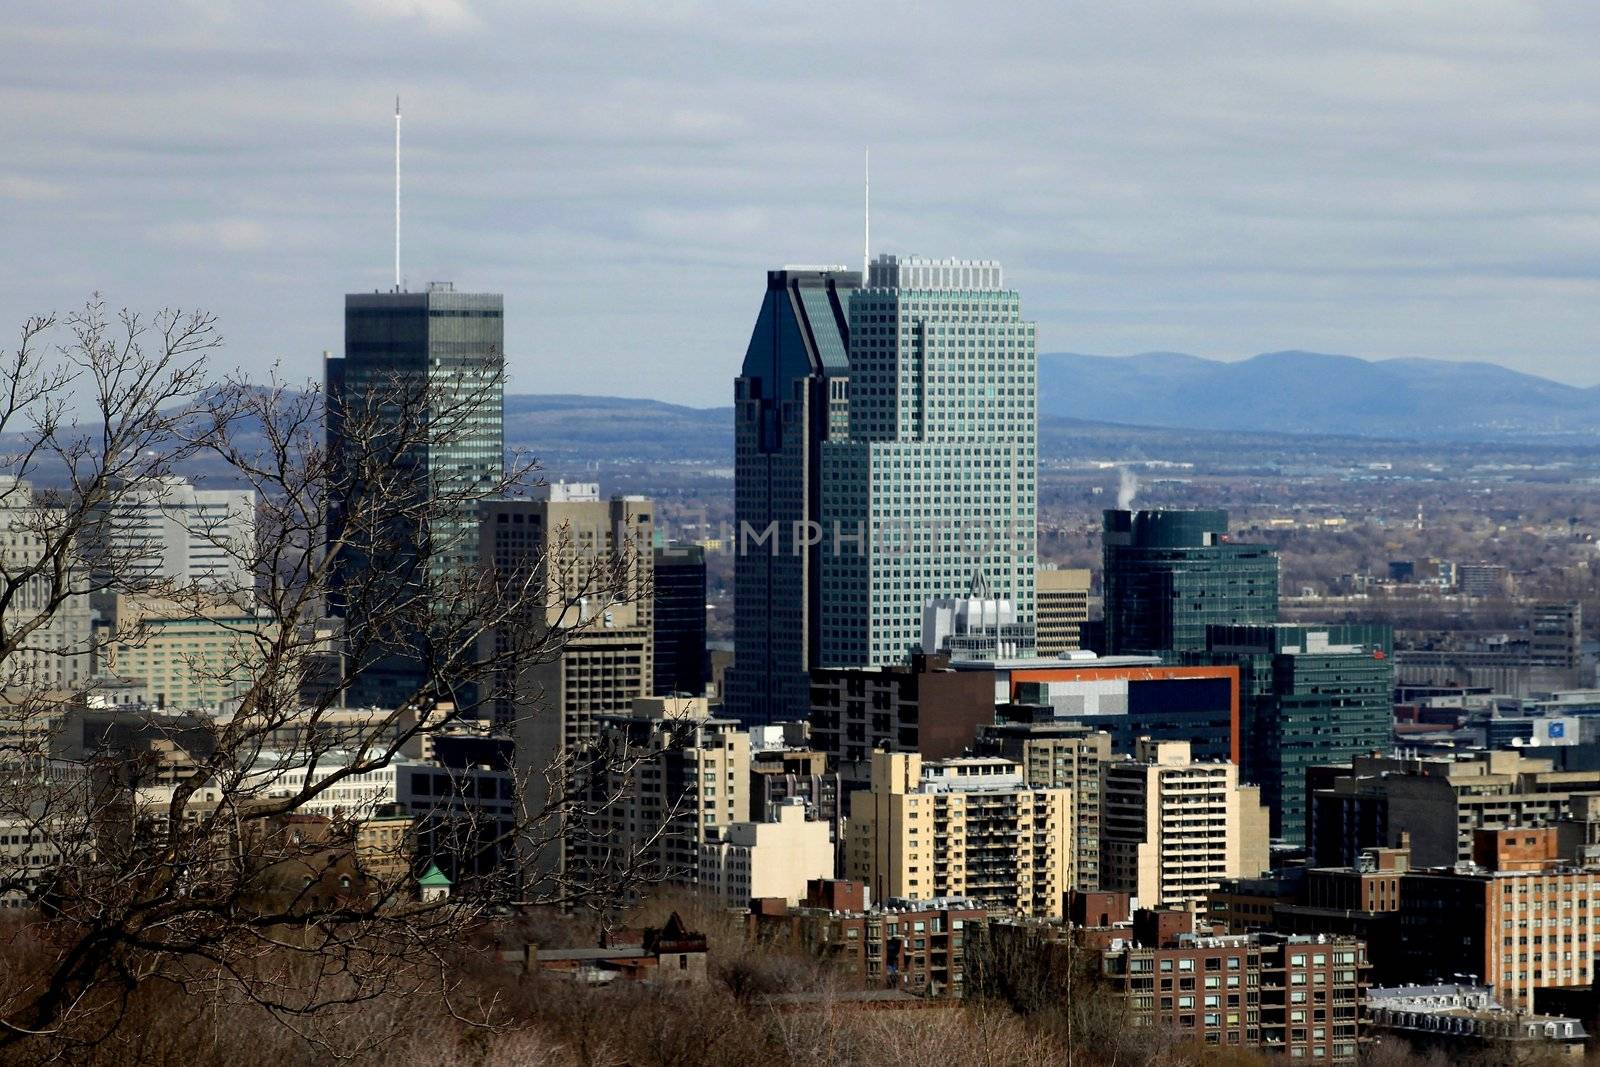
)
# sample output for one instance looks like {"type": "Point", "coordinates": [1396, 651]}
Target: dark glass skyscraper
{"type": "Point", "coordinates": [680, 620]}
{"type": "Point", "coordinates": [791, 395]}
{"type": "Point", "coordinates": [421, 378]}
{"type": "Point", "coordinates": [1170, 574]}
{"type": "Point", "coordinates": [1309, 696]}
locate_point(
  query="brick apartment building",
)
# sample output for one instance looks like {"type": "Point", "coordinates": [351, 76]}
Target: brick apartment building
{"type": "Point", "coordinates": [915, 946]}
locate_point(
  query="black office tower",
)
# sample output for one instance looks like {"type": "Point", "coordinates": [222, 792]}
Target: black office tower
{"type": "Point", "coordinates": [419, 394]}
{"type": "Point", "coordinates": [791, 395]}
{"type": "Point", "coordinates": [681, 667]}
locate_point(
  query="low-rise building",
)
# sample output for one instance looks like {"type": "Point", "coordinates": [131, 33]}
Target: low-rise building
{"type": "Point", "coordinates": [1519, 917]}
{"type": "Point", "coordinates": [1297, 996]}
{"type": "Point", "coordinates": [1438, 802]}
{"type": "Point", "coordinates": [205, 659]}
{"type": "Point", "coordinates": [1466, 1022]}
{"type": "Point", "coordinates": [916, 946]}
{"type": "Point", "coordinates": [461, 818]}
{"type": "Point", "coordinates": [773, 859]}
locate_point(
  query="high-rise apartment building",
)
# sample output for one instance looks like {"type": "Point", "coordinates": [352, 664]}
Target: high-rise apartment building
{"type": "Point", "coordinates": [1063, 609]}
{"type": "Point", "coordinates": [967, 827]}
{"type": "Point", "coordinates": [163, 536]}
{"type": "Point", "coordinates": [679, 591]}
{"type": "Point", "coordinates": [1170, 574]}
{"type": "Point", "coordinates": [792, 394]}
{"type": "Point", "coordinates": [422, 377]}
{"type": "Point", "coordinates": [1060, 755]}
{"type": "Point", "coordinates": [1171, 828]}
{"type": "Point", "coordinates": [668, 774]}
{"type": "Point", "coordinates": [1309, 696]}
{"type": "Point", "coordinates": [592, 559]}
{"type": "Point", "coordinates": [936, 485]}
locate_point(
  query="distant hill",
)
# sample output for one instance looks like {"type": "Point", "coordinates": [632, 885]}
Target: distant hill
{"type": "Point", "coordinates": [565, 426]}
{"type": "Point", "coordinates": [1310, 392]}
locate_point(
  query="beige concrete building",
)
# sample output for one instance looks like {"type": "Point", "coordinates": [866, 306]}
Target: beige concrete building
{"type": "Point", "coordinates": [592, 557]}
{"type": "Point", "coordinates": [1172, 829]}
{"type": "Point", "coordinates": [204, 659]}
{"type": "Point", "coordinates": [746, 860]}
{"type": "Point", "coordinates": [666, 776]}
{"type": "Point", "coordinates": [593, 560]}
{"type": "Point", "coordinates": [1063, 606]}
{"type": "Point", "coordinates": [1060, 755]}
{"type": "Point", "coordinates": [965, 827]}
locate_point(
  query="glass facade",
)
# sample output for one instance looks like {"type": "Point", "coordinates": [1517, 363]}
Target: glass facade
{"type": "Point", "coordinates": [1170, 574]}
{"type": "Point", "coordinates": [428, 368]}
{"type": "Point", "coordinates": [937, 482]}
{"type": "Point", "coordinates": [680, 620]}
{"type": "Point", "coordinates": [791, 396]}
{"type": "Point", "coordinates": [1309, 696]}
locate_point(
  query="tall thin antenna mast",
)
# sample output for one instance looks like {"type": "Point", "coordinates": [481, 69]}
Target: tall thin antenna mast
{"type": "Point", "coordinates": [397, 194]}
{"type": "Point", "coordinates": [866, 235]}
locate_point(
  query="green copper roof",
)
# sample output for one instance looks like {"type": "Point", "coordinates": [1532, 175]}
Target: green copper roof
{"type": "Point", "coordinates": [433, 876]}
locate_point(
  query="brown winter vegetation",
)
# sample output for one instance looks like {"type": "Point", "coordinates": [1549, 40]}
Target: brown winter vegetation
{"type": "Point", "coordinates": [477, 1010]}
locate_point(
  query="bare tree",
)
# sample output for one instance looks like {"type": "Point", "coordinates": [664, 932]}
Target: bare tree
{"type": "Point", "coordinates": [237, 851]}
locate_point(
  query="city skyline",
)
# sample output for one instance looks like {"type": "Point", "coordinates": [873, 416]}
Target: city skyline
{"type": "Point", "coordinates": [1208, 181]}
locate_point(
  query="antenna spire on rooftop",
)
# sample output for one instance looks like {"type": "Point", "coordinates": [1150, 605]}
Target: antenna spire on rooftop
{"type": "Point", "coordinates": [866, 234]}
{"type": "Point", "coordinates": [397, 193]}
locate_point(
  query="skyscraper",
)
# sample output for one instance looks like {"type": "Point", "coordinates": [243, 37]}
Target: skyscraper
{"type": "Point", "coordinates": [1310, 696]}
{"type": "Point", "coordinates": [935, 487]}
{"type": "Point", "coordinates": [421, 377]}
{"type": "Point", "coordinates": [1063, 609]}
{"type": "Point", "coordinates": [680, 620]}
{"type": "Point", "coordinates": [591, 561]}
{"type": "Point", "coordinates": [791, 395]}
{"type": "Point", "coordinates": [1170, 574]}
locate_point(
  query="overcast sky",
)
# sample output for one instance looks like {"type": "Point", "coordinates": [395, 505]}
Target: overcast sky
{"type": "Point", "coordinates": [1224, 178]}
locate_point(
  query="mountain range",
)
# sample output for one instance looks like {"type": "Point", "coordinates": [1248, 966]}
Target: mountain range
{"type": "Point", "coordinates": [1311, 392]}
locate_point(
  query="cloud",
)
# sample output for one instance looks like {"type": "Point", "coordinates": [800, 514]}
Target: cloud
{"type": "Point", "coordinates": [17, 187]}
{"type": "Point", "coordinates": [1221, 176]}
{"type": "Point", "coordinates": [228, 235]}
{"type": "Point", "coordinates": [436, 14]}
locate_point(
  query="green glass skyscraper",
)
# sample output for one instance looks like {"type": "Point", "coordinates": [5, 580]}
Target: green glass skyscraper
{"type": "Point", "coordinates": [936, 485]}
{"type": "Point", "coordinates": [1170, 574]}
{"type": "Point", "coordinates": [1309, 696]}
